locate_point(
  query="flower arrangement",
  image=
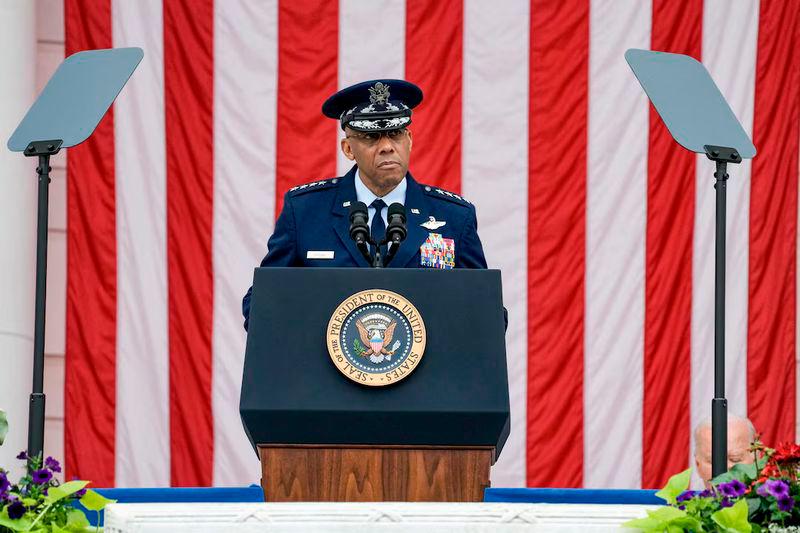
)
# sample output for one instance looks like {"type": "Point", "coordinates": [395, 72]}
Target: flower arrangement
{"type": "Point", "coordinates": [758, 497]}
{"type": "Point", "coordinates": [39, 503]}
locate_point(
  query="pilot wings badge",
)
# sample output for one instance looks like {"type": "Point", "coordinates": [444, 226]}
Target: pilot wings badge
{"type": "Point", "coordinates": [433, 224]}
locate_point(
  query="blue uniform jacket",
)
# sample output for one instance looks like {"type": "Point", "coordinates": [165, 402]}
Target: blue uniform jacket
{"type": "Point", "coordinates": [315, 217]}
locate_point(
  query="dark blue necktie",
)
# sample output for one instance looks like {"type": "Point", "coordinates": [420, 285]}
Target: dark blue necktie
{"type": "Point", "coordinates": [378, 226]}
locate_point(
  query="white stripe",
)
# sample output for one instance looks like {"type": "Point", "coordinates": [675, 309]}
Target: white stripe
{"type": "Point", "coordinates": [245, 74]}
{"type": "Point", "coordinates": [371, 45]}
{"type": "Point", "coordinates": [495, 178]}
{"type": "Point", "coordinates": [18, 60]}
{"type": "Point", "coordinates": [730, 57]}
{"type": "Point", "coordinates": [615, 247]}
{"type": "Point", "coordinates": [142, 417]}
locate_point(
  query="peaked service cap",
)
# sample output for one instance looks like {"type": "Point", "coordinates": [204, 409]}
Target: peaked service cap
{"type": "Point", "coordinates": [375, 105]}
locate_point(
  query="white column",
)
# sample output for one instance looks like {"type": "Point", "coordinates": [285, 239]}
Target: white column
{"type": "Point", "coordinates": [17, 224]}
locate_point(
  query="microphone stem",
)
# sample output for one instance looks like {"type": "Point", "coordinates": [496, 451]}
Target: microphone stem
{"type": "Point", "coordinates": [392, 250]}
{"type": "Point", "coordinates": [362, 247]}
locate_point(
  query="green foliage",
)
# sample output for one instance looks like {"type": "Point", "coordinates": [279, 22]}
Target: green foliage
{"type": "Point", "coordinates": [701, 508]}
{"type": "Point", "coordinates": [749, 498]}
{"type": "Point", "coordinates": [38, 503]}
{"type": "Point", "coordinates": [62, 491]}
{"type": "Point", "coordinates": [743, 472]}
{"type": "Point", "coordinates": [94, 501]}
{"type": "Point", "coordinates": [77, 521]}
{"type": "Point", "coordinates": [358, 347]}
{"type": "Point", "coordinates": [675, 486]}
{"type": "Point", "coordinates": [733, 519]}
{"type": "Point", "coordinates": [695, 512]}
{"type": "Point", "coordinates": [20, 524]}
{"type": "Point", "coordinates": [3, 426]}
{"type": "Point", "coordinates": [753, 505]}
{"type": "Point", "coordinates": [665, 519]}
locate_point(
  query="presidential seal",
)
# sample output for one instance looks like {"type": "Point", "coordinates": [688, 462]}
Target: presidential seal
{"type": "Point", "coordinates": [376, 337]}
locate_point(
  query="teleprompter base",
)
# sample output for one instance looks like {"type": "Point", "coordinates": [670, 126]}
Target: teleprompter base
{"type": "Point", "coordinates": [321, 473]}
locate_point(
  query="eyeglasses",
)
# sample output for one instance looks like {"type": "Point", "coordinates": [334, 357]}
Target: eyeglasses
{"type": "Point", "coordinates": [372, 137]}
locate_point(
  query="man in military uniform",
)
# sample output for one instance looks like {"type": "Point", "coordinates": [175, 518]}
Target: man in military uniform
{"type": "Point", "coordinates": [313, 228]}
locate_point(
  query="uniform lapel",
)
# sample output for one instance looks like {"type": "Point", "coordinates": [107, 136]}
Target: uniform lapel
{"type": "Point", "coordinates": [346, 193]}
{"type": "Point", "coordinates": [415, 199]}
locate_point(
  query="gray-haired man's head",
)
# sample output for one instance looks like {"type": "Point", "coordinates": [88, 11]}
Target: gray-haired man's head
{"type": "Point", "coordinates": [740, 434]}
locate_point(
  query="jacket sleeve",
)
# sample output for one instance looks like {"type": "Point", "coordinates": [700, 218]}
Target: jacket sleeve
{"type": "Point", "coordinates": [471, 253]}
{"type": "Point", "coordinates": [281, 249]}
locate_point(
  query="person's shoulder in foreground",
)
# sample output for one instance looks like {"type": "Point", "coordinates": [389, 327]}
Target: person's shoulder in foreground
{"type": "Point", "coordinates": [313, 228]}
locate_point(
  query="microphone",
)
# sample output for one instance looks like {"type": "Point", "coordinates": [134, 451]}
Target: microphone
{"type": "Point", "coordinates": [359, 230]}
{"type": "Point", "coordinates": [396, 231]}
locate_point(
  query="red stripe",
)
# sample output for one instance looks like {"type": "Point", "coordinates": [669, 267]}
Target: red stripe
{"type": "Point", "coordinates": [308, 47]}
{"type": "Point", "coordinates": [434, 44]}
{"type": "Point", "coordinates": [668, 269]}
{"type": "Point", "coordinates": [91, 328]}
{"type": "Point", "coordinates": [773, 224]}
{"type": "Point", "coordinates": [559, 63]}
{"type": "Point", "coordinates": [188, 84]}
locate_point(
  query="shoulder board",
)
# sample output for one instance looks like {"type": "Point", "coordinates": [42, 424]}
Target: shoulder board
{"type": "Point", "coordinates": [436, 192]}
{"type": "Point", "coordinates": [313, 186]}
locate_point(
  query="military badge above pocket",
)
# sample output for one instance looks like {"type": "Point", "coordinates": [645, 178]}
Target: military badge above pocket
{"type": "Point", "coordinates": [438, 252]}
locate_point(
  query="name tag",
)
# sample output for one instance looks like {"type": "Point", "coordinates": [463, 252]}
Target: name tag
{"type": "Point", "coordinates": [319, 254]}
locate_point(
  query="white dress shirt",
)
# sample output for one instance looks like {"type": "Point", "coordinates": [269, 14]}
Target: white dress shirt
{"type": "Point", "coordinates": [363, 194]}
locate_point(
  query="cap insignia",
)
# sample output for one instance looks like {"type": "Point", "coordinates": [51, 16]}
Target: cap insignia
{"type": "Point", "coordinates": [379, 94]}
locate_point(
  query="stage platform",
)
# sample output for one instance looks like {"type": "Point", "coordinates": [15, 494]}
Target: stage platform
{"type": "Point", "coordinates": [390, 517]}
{"type": "Point", "coordinates": [545, 508]}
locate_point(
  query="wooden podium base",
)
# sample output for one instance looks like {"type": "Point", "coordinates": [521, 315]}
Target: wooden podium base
{"type": "Point", "coordinates": [320, 473]}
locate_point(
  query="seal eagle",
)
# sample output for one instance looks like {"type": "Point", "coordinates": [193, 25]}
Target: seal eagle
{"type": "Point", "coordinates": [374, 341]}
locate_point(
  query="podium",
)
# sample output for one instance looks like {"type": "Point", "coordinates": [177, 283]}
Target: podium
{"type": "Point", "coordinates": [430, 434]}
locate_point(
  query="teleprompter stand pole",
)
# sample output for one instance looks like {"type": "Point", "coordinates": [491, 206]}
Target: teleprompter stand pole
{"type": "Point", "coordinates": [43, 150]}
{"type": "Point", "coordinates": [719, 405]}
{"type": "Point", "coordinates": [696, 114]}
{"type": "Point", "coordinates": [85, 83]}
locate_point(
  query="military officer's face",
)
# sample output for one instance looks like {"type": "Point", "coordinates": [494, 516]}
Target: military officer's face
{"type": "Point", "coordinates": [382, 157]}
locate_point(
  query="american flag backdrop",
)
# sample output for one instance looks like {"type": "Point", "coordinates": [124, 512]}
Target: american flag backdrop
{"type": "Point", "coordinates": [602, 226]}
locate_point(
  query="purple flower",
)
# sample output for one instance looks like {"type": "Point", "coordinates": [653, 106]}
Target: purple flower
{"type": "Point", "coordinates": [777, 487]}
{"type": "Point", "coordinates": [706, 494]}
{"type": "Point", "coordinates": [732, 489]}
{"type": "Point", "coordinates": [80, 493]}
{"type": "Point", "coordinates": [41, 476]}
{"type": "Point", "coordinates": [16, 510]}
{"type": "Point", "coordinates": [686, 495]}
{"type": "Point", "coordinates": [762, 491]}
{"type": "Point", "coordinates": [4, 483]}
{"type": "Point", "coordinates": [725, 502]}
{"type": "Point", "coordinates": [23, 455]}
{"type": "Point", "coordinates": [785, 503]}
{"type": "Point", "coordinates": [52, 464]}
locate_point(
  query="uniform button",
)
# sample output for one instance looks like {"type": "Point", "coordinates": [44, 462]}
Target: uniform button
{"type": "Point", "coordinates": [428, 189]}
{"type": "Point", "coordinates": [334, 181]}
